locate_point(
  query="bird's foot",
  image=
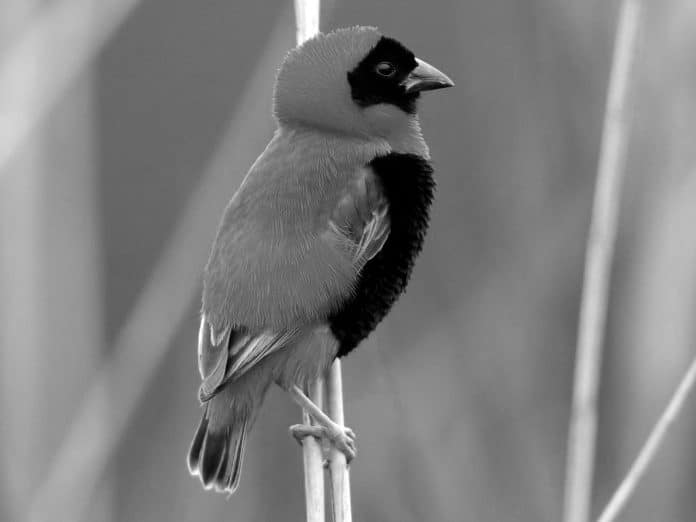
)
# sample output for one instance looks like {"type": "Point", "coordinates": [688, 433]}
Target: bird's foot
{"type": "Point", "coordinates": [300, 431]}
{"type": "Point", "coordinates": [341, 437]}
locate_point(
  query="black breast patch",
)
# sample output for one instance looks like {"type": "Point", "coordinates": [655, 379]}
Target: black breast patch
{"type": "Point", "coordinates": [408, 186]}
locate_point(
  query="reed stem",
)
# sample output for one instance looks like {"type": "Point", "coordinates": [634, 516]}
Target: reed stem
{"type": "Point", "coordinates": [313, 463]}
{"type": "Point", "coordinates": [338, 467]}
{"type": "Point", "coordinates": [600, 250]}
{"type": "Point", "coordinates": [650, 448]}
{"type": "Point", "coordinates": [307, 20]}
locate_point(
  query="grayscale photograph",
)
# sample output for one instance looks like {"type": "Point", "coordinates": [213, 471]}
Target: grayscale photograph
{"type": "Point", "coordinates": [347, 261]}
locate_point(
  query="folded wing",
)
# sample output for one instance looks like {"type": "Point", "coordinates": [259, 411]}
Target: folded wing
{"type": "Point", "coordinates": [226, 354]}
{"type": "Point", "coordinates": [358, 227]}
{"type": "Point", "coordinates": [360, 221]}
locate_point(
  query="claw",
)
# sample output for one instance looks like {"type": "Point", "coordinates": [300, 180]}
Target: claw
{"type": "Point", "coordinates": [341, 437]}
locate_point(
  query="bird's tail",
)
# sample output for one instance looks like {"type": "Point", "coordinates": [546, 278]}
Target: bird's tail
{"type": "Point", "coordinates": [217, 450]}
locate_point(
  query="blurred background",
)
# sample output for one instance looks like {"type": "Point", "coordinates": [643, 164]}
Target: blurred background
{"type": "Point", "coordinates": [126, 125]}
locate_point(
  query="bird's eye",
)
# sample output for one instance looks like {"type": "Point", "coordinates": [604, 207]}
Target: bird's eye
{"type": "Point", "coordinates": [385, 69]}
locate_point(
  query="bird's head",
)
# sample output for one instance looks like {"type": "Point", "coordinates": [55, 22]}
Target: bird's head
{"type": "Point", "coordinates": [353, 81]}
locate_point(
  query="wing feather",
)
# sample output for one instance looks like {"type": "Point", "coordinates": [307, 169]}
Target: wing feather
{"type": "Point", "coordinates": [212, 348]}
{"type": "Point", "coordinates": [225, 355]}
{"type": "Point", "coordinates": [256, 348]}
{"type": "Point", "coordinates": [360, 222]}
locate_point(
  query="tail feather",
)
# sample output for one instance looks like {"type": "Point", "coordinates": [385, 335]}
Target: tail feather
{"type": "Point", "coordinates": [222, 469]}
{"type": "Point", "coordinates": [216, 454]}
{"type": "Point", "coordinates": [194, 454]}
{"type": "Point", "coordinates": [217, 449]}
{"type": "Point", "coordinates": [234, 472]}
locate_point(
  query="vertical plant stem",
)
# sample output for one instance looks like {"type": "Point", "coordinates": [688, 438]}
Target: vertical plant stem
{"type": "Point", "coordinates": [650, 448]}
{"type": "Point", "coordinates": [313, 463]}
{"type": "Point", "coordinates": [307, 20]}
{"type": "Point", "coordinates": [598, 260]}
{"type": "Point", "coordinates": [338, 468]}
{"type": "Point", "coordinates": [74, 43]}
{"type": "Point", "coordinates": [85, 452]}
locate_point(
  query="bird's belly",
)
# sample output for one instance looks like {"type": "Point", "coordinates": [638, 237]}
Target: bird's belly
{"type": "Point", "coordinates": [305, 360]}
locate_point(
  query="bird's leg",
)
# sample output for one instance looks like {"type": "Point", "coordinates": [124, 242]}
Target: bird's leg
{"type": "Point", "coordinates": [342, 437]}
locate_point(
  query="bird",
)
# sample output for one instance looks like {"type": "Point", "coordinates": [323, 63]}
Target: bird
{"type": "Point", "coordinates": [319, 240]}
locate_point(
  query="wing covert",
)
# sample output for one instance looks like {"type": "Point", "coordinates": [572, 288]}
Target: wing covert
{"type": "Point", "coordinates": [226, 354]}
{"type": "Point", "coordinates": [360, 222]}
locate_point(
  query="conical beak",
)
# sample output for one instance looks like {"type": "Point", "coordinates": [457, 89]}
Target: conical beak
{"type": "Point", "coordinates": [425, 77]}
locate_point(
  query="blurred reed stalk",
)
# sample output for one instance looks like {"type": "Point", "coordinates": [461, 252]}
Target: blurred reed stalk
{"type": "Point", "coordinates": [307, 20]}
{"type": "Point", "coordinates": [307, 25]}
{"type": "Point", "coordinates": [650, 448]}
{"type": "Point", "coordinates": [598, 260]}
{"type": "Point", "coordinates": [162, 305]}
{"type": "Point", "coordinates": [75, 31]}
{"type": "Point", "coordinates": [313, 462]}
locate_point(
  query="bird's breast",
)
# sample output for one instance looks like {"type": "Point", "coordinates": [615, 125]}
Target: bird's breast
{"type": "Point", "coordinates": [408, 186]}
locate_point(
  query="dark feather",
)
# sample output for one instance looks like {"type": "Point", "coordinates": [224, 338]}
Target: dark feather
{"type": "Point", "coordinates": [214, 452]}
{"type": "Point", "coordinates": [408, 186]}
{"type": "Point", "coordinates": [369, 88]}
{"type": "Point", "coordinates": [198, 439]}
{"type": "Point", "coordinates": [217, 453]}
{"type": "Point", "coordinates": [221, 476]}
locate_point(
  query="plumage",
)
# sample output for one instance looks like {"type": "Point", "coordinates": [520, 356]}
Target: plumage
{"type": "Point", "coordinates": [366, 88]}
{"type": "Point", "coordinates": [320, 238]}
{"type": "Point", "coordinates": [384, 278]}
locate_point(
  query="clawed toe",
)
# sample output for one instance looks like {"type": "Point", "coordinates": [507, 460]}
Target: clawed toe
{"type": "Point", "coordinates": [341, 437]}
{"type": "Point", "coordinates": [344, 440]}
{"type": "Point", "coordinates": [300, 431]}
